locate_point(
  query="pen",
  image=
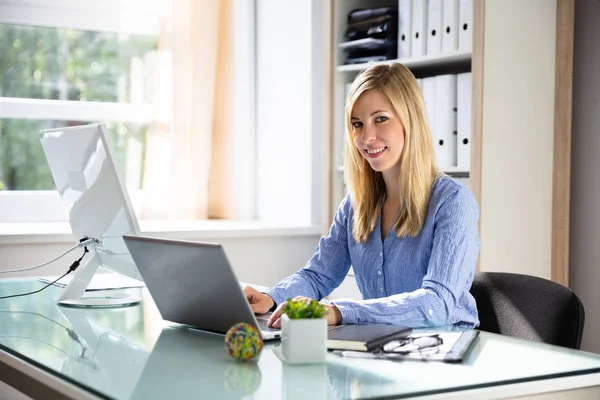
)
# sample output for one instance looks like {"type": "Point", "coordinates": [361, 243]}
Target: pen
{"type": "Point", "coordinates": [356, 354]}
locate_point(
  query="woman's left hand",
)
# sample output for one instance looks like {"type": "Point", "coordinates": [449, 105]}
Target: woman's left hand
{"type": "Point", "coordinates": [334, 316]}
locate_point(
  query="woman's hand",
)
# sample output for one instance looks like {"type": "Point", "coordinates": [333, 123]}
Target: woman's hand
{"type": "Point", "coordinates": [260, 303]}
{"type": "Point", "coordinates": [334, 316]}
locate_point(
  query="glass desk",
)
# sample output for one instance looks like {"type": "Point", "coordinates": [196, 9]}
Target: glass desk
{"type": "Point", "coordinates": [130, 353]}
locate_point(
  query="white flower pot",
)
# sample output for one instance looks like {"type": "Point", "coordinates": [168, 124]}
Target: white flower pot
{"type": "Point", "coordinates": [303, 341]}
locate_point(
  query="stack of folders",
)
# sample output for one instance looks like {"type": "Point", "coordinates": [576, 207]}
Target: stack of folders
{"type": "Point", "coordinates": [448, 105]}
{"type": "Point", "coordinates": [371, 35]}
{"type": "Point", "coordinates": [431, 27]}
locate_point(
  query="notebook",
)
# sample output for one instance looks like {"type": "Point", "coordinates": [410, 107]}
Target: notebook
{"type": "Point", "coordinates": [364, 337]}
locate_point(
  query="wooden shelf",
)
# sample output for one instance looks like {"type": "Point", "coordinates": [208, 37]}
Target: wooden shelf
{"type": "Point", "coordinates": [444, 59]}
{"type": "Point", "coordinates": [455, 170]}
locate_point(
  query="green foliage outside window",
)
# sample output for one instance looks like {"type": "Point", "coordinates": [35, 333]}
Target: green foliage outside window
{"type": "Point", "coordinates": [61, 64]}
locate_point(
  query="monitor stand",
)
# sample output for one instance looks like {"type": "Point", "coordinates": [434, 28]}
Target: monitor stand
{"type": "Point", "coordinates": [73, 293]}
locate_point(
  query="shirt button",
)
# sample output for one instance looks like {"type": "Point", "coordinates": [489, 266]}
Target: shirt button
{"type": "Point", "coordinates": [380, 254]}
{"type": "Point", "coordinates": [430, 311]}
{"type": "Point", "coordinates": [381, 290]}
{"type": "Point", "coordinates": [378, 272]}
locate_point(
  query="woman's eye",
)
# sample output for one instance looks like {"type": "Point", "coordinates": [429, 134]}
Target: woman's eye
{"type": "Point", "coordinates": [381, 119]}
{"type": "Point", "coordinates": [357, 124]}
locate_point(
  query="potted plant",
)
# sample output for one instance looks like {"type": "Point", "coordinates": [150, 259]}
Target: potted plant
{"type": "Point", "coordinates": [304, 332]}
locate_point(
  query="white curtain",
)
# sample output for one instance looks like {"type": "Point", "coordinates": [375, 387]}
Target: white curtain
{"type": "Point", "coordinates": [187, 174]}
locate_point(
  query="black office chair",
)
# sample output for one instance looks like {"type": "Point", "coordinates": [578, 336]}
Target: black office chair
{"type": "Point", "coordinates": [528, 307]}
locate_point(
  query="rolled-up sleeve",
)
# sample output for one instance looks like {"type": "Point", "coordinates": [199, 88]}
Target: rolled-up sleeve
{"type": "Point", "coordinates": [449, 274]}
{"type": "Point", "coordinates": [326, 269]}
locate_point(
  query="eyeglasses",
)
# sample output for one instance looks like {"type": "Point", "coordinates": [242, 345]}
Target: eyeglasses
{"type": "Point", "coordinates": [424, 345]}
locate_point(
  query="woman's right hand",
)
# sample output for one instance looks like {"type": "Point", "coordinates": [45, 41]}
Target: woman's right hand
{"type": "Point", "coordinates": [260, 303]}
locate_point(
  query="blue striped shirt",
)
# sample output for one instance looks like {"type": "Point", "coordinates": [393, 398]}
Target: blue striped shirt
{"type": "Point", "coordinates": [420, 281]}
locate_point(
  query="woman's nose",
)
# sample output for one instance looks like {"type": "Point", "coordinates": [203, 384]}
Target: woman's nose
{"type": "Point", "coordinates": [368, 134]}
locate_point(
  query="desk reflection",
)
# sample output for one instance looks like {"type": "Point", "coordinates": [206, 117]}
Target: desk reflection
{"type": "Point", "coordinates": [117, 362]}
{"type": "Point", "coordinates": [185, 362]}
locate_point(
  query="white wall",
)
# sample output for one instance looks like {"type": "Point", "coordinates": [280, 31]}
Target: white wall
{"type": "Point", "coordinates": [584, 265]}
{"type": "Point", "coordinates": [259, 260]}
{"type": "Point", "coordinates": [517, 138]}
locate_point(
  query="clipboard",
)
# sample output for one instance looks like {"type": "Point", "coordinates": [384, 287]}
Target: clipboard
{"type": "Point", "coordinates": [450, 347]}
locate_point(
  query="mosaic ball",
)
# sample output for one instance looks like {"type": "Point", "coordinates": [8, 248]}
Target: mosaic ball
{"type": "Point", "coordinates": [243, 341]}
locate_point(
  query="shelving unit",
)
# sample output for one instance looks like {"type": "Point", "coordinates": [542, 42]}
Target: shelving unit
{"type": "Point", "coordinates": [423, 66]}
{"type": "Point", "coordinates": [521, 106]}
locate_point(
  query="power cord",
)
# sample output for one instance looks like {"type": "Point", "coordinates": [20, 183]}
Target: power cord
{"type": "Point", "coordinates": [72, 268]}
{"type": "Point", "coordinates": [83, 243]}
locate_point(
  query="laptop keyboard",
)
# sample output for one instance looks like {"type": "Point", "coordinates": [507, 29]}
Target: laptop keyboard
{"type": "Point", "coordinates": [263, 325]}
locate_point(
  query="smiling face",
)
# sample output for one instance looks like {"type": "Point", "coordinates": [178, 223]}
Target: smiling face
{"type": "Point", "coordinates": [377, 131]}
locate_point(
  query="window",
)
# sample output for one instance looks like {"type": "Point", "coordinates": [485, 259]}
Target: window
{"type": "Point", "coordinates": [53, 73]}
{"type": "Point", "coordinates": [80, 61]}
{"type": "Point", "coordinates": [68, 62]}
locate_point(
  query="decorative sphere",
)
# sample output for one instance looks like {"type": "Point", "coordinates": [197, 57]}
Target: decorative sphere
{"type": "Point", "coordinates": [243, 341]}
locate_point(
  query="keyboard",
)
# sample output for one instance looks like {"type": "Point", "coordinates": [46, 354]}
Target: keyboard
{"type": "Point", "coordinates": [262, 324]}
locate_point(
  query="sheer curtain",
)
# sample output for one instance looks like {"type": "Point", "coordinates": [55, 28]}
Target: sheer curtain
{"type": "Point", "coordinates": [187, 174]}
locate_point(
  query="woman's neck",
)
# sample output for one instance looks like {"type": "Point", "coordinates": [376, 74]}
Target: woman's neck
{"type": "Point", "coordinates": [392, 186]}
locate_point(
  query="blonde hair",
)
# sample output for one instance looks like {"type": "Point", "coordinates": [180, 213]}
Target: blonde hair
{"type": "Point", "coordinates": [418, 166]}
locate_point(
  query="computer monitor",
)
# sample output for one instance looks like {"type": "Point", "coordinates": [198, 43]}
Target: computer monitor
{"type": "Point", "coordinates": [98, 208]}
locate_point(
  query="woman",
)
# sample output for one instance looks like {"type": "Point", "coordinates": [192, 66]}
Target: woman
{"type": "Point", "coordinates": [409, 231]}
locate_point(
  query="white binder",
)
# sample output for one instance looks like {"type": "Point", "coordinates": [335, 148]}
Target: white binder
{"type": "Point", "coordinates": [465, 25]}
{"type": "Point", "coordinates": [418, 45]}
{"type": "Point", "coordinates": [434, 27]}
{"type": "Point", "coordinates": [428, 88]}
{"type": "Point", "coordinates": [463, 120]}
{"type": "Point", "coordinates": [444, 128]}
{"type": "Point", "coordinates": [449, 25]}
{"type": "Point", "coordinates": [404, 28]}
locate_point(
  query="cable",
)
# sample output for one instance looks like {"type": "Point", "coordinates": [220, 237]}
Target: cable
{"type": "Point", "coordinates": [73, 267]}
{"type": "Point", "coordinates": [72, 334]}
{"type": "Point", "coordinates": [83, 242]}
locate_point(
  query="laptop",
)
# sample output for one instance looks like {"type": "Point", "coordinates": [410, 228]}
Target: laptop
{"type": "Point", "coordinates": [192, 283]}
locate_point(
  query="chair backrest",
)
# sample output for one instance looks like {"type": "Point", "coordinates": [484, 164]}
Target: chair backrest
{"type": "Point", "coordinates": [528, 307]}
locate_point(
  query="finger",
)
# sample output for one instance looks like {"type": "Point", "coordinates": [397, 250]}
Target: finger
{"type": "Point", "coordinates": [277, 323]}
{"type": "Point", "coordinates": [276, 314]}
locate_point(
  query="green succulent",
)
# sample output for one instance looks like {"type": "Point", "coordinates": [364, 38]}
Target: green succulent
{"type": "Point", "coordinates": [297, 309]}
